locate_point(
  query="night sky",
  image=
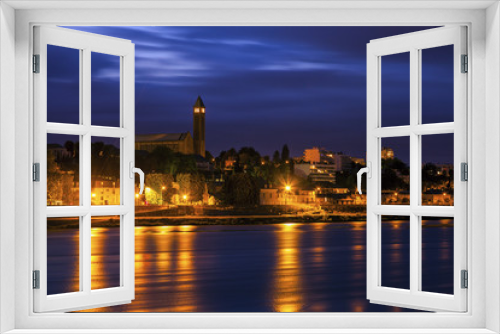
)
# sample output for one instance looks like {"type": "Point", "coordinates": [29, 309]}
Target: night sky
{"type": "Point", "coordinates": [262, 86]}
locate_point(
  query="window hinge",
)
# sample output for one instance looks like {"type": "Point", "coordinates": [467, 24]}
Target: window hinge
{"type": "Point", "coordinates": [36, 279]}
{"type": "Point", "coordinates": [465, 279]}
{"type": "Point", "coordinates": [36, 63]}
{"type": "Point", "coordinates": [464, 171]}
{"type": "Point", "coordinates": [36, 172]}
{"type": "Point", "coordinates": [465, 64]}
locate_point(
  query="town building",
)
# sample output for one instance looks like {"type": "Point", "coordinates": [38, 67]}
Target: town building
{"type": "Point", "coordinates": [387, 153]}
{"type": "Point", "coordinates": [316, 172]}
{"type": "Point", "coordinates": [275, 196]}
{"type": "Point", "coordinates": [105, 192]}
{"type": "Point", "coordinates": [58, 151]}
{"type": "Point", "coordinates": [312, 155]}
{"type": "Point", "coordinates": [179, 142]}
{"type": "Point", "coordinates": [342, 162]}
{"type": "Point", "coordinates": [359, 161]}
{"type": "Point", "coordinates": [199, 127]}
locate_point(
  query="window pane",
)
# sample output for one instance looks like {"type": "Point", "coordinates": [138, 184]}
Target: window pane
{"type": "Point", "coordinates": [395, 89]}
{"type": "Point", "coordinates": [437, 170]}
{"type": "Point", "coordinates": [105, 260]}
{"type": "Point", "coordinates": [63, 85]}
{"type": "Point", "coordinates": [105, 171]}
{"type": "Point", "coordinates": [63, 170]}
{"type": "Point", "coordinates": [395, 252]}
{"type": "Point", "coordinates": [395, 157]}
{"type": "Point", "coordinates": [437, 84]}
{"type": "Point", "coordinates": [63, 255]}
{"type": "Point", "coordinates": [437, 254]}
{"type": "Point", "coordinates": [105, 89]}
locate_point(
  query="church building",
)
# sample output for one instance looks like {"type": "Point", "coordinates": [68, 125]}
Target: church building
{"type": "Point", "coordinates": [179, 142]}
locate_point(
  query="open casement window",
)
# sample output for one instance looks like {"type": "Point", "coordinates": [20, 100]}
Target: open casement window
{"type": "Point", "coordinates": [74, 135]}
{"type": "Point", "coordinates": [414, 131]}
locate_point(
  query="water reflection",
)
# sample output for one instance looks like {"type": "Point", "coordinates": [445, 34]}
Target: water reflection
{"type": "Point", "coordinates": [313, 267]}
{"type": "Point", "coordinates": [437, 255]}
{"type": "Point", "coordinates": [63, 259]}
{"type": "Point", "coordinates": [396, 254]}
{"type": "Point", "coordinates": [288, 291]}
{"type": "Point", "coordinates": [105, 255]}
{"type": "Point", "coordinates": [185, 273]}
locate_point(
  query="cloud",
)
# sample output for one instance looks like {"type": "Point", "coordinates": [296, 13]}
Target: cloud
{"type": "Point", "coordinates": [305, 86]}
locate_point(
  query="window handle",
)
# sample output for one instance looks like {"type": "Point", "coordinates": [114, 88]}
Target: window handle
{"type": "Point", "coordinates": [134, 170]}
{"type": "Point", "coordinates": [368, 171]}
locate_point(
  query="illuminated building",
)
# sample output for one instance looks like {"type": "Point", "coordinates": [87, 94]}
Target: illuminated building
{"type": "Point", "coordinates": [312, 155]}
{"type": "Point", "coordinates": [105, 192]}
{"type": "Point", "coordinates": [275, 196]}
{"type": "Point", "coordinates": [316, 172]}
{"type": "Point", "coordinates": [177, 142]}
{"type": "Point", "coordinates": [199, 127]}
{"type": "Point", "coordinates": [387, 153]}
{"type": "Point", "coordinates": [181, 142]}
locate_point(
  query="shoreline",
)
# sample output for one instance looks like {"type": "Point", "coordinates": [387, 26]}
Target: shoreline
{"type": "Point", "coordinates": [69, 223]}
{"type": "Point", "coordinates": [73, 222]}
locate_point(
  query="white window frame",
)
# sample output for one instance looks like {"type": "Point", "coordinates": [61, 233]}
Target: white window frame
{"type": "Point", "coordinates": [483, 21]}
{"type": "Point", "coordinates": [85, 43]}
{"type": "Point", "coordinates": [414, 44]}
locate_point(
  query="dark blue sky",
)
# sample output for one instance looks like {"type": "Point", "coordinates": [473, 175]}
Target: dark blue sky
{"type": "Point", "coordinates": [262, 86]}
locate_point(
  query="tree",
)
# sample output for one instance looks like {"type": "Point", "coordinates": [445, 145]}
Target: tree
{"type": "Point", "coordinates": [159, 184]}
{"type": "Point", "coordinates": [248, 157]}
{"type": "Point", "coordinates": [191, 185]}
{"type": "Point", "coordinates": [391, 181]}
{"type": "Point", "coordinates": [241, 189]}
{"type": "Point", "coordinates": [70, 147]}
{"type": "Point", "coordinates": [105, 161]}
{"type": "Point", "coordinates": [276, 157]}
{"type": "Point", "coordinates": [54, 190]}
{"type": "Point", "coordinates": [208, 156]}
{"type": "Point", "coordinates": [285, 153]}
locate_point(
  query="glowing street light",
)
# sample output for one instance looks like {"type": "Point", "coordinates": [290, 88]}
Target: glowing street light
{"type": "Point", "coordinates": [161, 195]}
{"type": "Point", "coordinates": [287, 189]}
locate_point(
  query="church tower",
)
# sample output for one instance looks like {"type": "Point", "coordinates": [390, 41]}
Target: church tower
{"type": "Point", "coordinates": [199, 127]}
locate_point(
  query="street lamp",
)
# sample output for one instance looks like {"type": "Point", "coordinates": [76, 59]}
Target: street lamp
{"type": "Point", "coordinates": [161, 195]}
{"type": "Point", "coordinates": [287, 190]}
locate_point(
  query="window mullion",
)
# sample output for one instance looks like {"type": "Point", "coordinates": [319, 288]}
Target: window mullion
{"type": "Point", "coordinates": [414, 170]}
{"type": "Point", "coordinates": [85, 177]}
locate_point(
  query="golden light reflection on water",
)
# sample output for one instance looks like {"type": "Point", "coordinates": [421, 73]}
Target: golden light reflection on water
{"type": "Point", "coordinates": [105, 257]}
{"type": "Point", "coordinates": [76, 264]}
{"type": "Point", "coordinates": [288, 290]}
{"type": "Point", "coordinates": [175, 274]}
{"type": "Point", "coordinates": [358, 306]}
{"type": "Point", "coordinates": [185, 275]}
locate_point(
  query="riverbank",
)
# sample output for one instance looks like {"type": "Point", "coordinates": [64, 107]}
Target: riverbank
{"type": "Point", "coordinates": [69, 223]}
{"type": "Point", "coordinates": [73, 223]}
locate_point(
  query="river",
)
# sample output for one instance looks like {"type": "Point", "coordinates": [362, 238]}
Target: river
{"type": "Point", "coordinates": [294, 267]}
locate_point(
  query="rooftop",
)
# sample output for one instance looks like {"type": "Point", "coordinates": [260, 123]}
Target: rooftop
{"type": "Point", "coordinates": [199, 103]}
{"type": "Point", "coordinates": [161, 137]}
